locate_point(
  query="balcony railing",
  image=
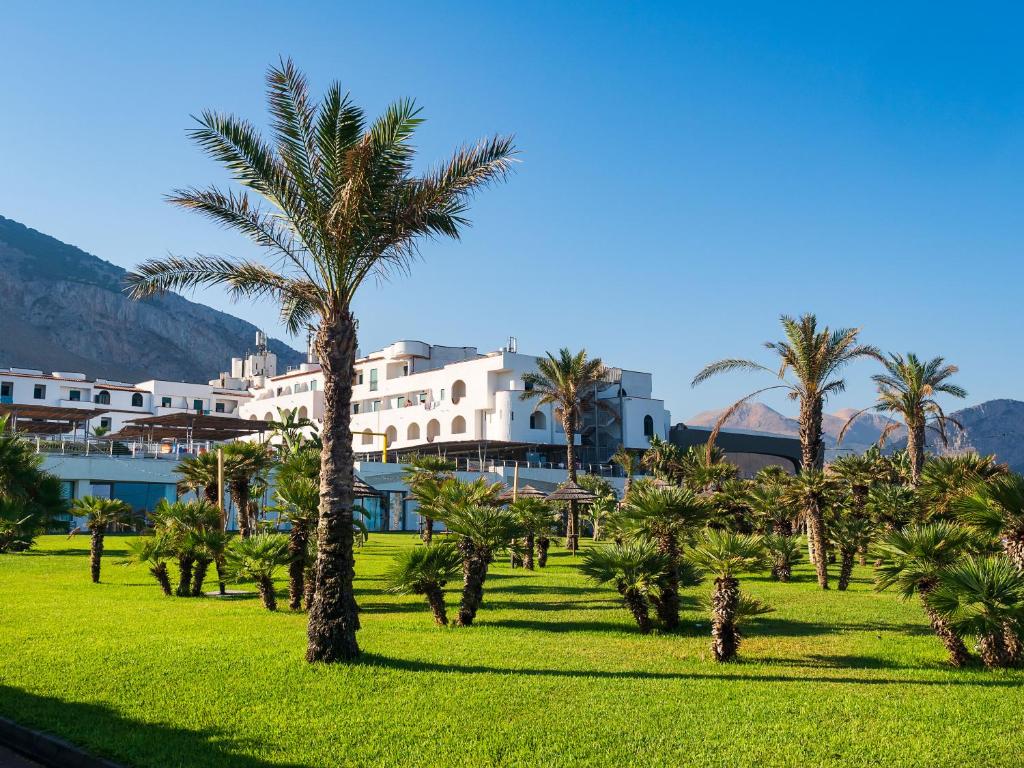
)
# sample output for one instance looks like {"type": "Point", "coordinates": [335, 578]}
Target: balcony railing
{"type": "Point", "coordinates": [133, 449]}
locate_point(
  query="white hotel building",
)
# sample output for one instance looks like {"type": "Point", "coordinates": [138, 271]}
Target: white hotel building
{"type": "Point", "coordinates": [456, 400]}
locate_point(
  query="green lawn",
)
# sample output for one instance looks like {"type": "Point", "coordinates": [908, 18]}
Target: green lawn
{"type": "Point", "coordinates": [554, 674]}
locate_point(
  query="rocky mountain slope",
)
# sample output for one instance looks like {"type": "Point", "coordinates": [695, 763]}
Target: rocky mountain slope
{"type": "Point", "coordinates": [64, 309]}
{"type": "Point", "coordinates": [996, 426]}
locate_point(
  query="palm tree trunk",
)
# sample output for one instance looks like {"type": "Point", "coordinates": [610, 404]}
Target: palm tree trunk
{"type": "Point", "coordinates": [334, 615]}
{"type": "Point", "coordinates": [210, 492]}
{"type": "Point", "coordinates": [1013, 545]}
{"type": "Point", "coordinates": [199, 575]}
{"type": "Point", "coordinates": [725, 600]}
{"type": "Point", "coordinates": [96, 554]}
{"type": "Point", "coordinates": [958, 653]}
{"type": "Point", "coordinates": [221, 576]}
{"type": "Point", "coordinates": [668, 603]}
{"type": "Point", "coordinates": [812, 449]}
{"type": "Point", "coordinates": [638, 607]}
{"type": "Point", "coordinates": [240, 495]}
{"type": "Point", "coordinates": [159, 572]}
{"type": "Point", "coordinates": [816, 541]}
{"type": "Point", "coordinates": [474, 570]}
{"type": "Point", "coordinates": [994, 652]}
{"type": "Point", "coordinates": [428, 529]}
{"type": "Point", "coordinates": [309, 587]}
{"type": "Point", "coordinates": [435, 599]}
{"type": "Point", "coordinates": [845, 567]}
{"type": "Point", "coordinates": [543, 543]}
{"type": "Point", "coordinates": [915, 448]}
{"type": "Point", "coordinates": [185, 576]}
{"type": "Point", "coordinates": [528, 551]}
{"type": "Point", "coordinates": [266, 588]}
{"type": "Point", "coordinates": [297, 541]}
{"type": "Point", "coordinates": [572, 528]}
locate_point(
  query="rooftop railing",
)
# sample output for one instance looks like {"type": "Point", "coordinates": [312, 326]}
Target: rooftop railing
{"type": "Point", "coordinates": [128, 449]}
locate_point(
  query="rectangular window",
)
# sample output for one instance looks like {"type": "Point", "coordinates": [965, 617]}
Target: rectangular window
{"type": "Point", "coordinates": [405, 369]}
{"type": "Point", "coordinates": [219, 408]}
{"type": "Point", "coordinates": [197, 406]}
{"type": "Point", "coordinates": [373, 379]}
{"type": "Point", "coordinates": [312, 386]}
{"type": "Point", "coordinates": [423, 397]}
{"type": "Point", "coordinates": [75, 395]}
{"type": "Point", "coordinates": [375, 406]}
{"type": "Point", "coordinates": [359, 378]}
{"type": "Point", "coordinates": [355, 407]}
{"type": "Point", "coordinates": [442, 395]}
{"type": "Point", "coordinates": [7, 389]}
{"type": "Point", "coordinates": [165, 402]}
{"type": "Point", "coordinates": [39, 392]}
{"type": "Point", "coordinates": [400, 401]}
{"type": "Point", "coordinates": [105, 422]}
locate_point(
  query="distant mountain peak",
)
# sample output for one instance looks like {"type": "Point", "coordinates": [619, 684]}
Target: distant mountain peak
{"type": "Point", "coordinates": [65, 309]}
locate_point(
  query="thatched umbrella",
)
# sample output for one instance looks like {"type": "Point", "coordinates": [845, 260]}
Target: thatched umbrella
{"type": "Point", "coordinates": [570, 491]}
{"type": "Point", "coordinates": [526, 492]}
{"type": "Point", "coordinates": [360, 489]}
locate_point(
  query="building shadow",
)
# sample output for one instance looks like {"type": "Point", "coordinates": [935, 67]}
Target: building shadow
{"type": "Point", "coordinates": [89, 726]}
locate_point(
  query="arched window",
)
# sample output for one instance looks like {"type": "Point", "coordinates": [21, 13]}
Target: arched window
{"type": "Point", "coordinates": [458, 426]}
{"type": "Point", "coordinates": [103, 398]}
{"type": "Point", "coordinates": [433, 430]}
{"type": "Point", "coordinates": [538, 420]}
{"type": "Point", "coordinates": [252, 417]}
{"type": "Point", "coordinates": [458, 390]}
{"type": "Point", "coordinates": [303, 413]}
{"type": "Point", "coordinates": [367, 437]}
{"type": "Point", "coordinates": [137, 400]}
{"type": "Point", "coordinates": [392, 435]}
{"type": "Point", "coordinates": [413, 432]}
{"type": "Point", "coordinates": [648, 426]}
{"type": "Point", "coordinates": [269, 416]}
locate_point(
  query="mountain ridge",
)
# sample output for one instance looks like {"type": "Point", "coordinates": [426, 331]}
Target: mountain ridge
{"type": "Point", "coordinates": [65, 310]}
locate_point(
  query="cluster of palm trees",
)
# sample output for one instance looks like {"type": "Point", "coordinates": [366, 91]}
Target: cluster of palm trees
{"type": "Point", "coordinates": [30, 499]}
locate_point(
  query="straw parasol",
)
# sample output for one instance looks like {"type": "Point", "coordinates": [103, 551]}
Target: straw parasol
{"type": "Point", "coordinates": [570, 491]}
{"type": "Point", "coordinates": [526, 492]}
{"type": "Point", "coordinates": [361, 490]}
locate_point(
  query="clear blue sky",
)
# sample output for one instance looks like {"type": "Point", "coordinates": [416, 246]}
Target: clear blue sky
{"type": "Point", "coordinates": [687, 174]}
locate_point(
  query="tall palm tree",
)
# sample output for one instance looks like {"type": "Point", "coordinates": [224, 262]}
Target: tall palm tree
{"type": "Point", "coordinates": [425, 571]}
{"type": "Point", "coordinates": [997, 508]}
{"type": "Point", "coordinates": [424, 475]}
{"type": "Point", "coordinates": [636, 568]}
{"type": "Point", "coordinates": [813, 492]}
{"type": "Point", "coordinates": [566, 382]}
{"type": "Point", "coordinates": [245, 466]}
{"type": "Point", "coordinates": [340, 204]}
{"type": "Point", "coordinates": [983, 597]}
{"type": "Point", "coordinates": [913, 560]}
{"type": "Point", "coordinates": [666, 516]}
{"type": "Point", "coordinates": [726, 555]}
{"type": "Point", "coordinates": [257, 559]}
{"type": "Point", "coordinates": [815, 358]}
{"type": "Point", "coordinates": [101, 515]}
{"type": "Point", "coordinates": [908, 389]}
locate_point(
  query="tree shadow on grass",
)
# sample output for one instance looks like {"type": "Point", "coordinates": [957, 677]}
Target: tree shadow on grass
{"type": "Point", "coordinates": [559, 626]}
{"type": "Point", "coordinates": [727, 674]}
{"type": "Point", "coordinates": [101, 730]}
{"type": "Point", "coordinates": [796, 628]}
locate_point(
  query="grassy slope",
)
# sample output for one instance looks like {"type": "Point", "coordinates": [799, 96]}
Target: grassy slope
{"type": "Point", "coordinates": [554, 674]}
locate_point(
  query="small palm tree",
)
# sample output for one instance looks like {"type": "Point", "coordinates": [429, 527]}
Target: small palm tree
{"type": "Point", "coordinates": [814, 492]}
{"type": "Point", "coordinates": [291, 428]}
{"type": "Point", "coordinates": [908, 389]}
{"type": "Point", "coordinates": [663, 460]}
{"type": "Point", "coordinates": [599, 513]}
{"type": "Point", "coordinates": [199, 475]}
{"type": "Point", "coordinates": [567, 382]}
{"type": "Point", "coordinates": [983, 597]}
{"type": "Point", "coordinates": [945, 479]}
{"type": "Point", "coordinates": [726, 555]}
{"type": "Point", "coordinates": [184, 526]}
{"type": "Point", "coordinates": [997, 508]}
{"type": "Point", "coordinates": [341, 205]}
{"type": "Point", "coordinates": [424, 475]}
{"type": "Point", "coordinates": [770, 507]}
{"type": "Point", "coordinates": [849, 534]}
{"type": "Point", "coordinates": [483, 530]}
{"type": "Point", "coordinates": [784, 552]}
{"type": "Point", "coordinates": [913, 561]}
{"type": "Point", "coordinates": [629, 462]}
{"type": "Point", "coordinates": [101, 515]}
{"type": "Point", "coordinates": [299, 497]}
{"type": "Point", "coordinates": [257, 559]}
{"type": "Point", "coordinates": [245, 465]}
{"type": "Point", "coordinates": [892, 506]}
{"type": "Point", "coordinates": [425, 571]}
{"type": "Point", "coordinates": [815, 358]}
{"type": "Point", "coordinates": [152, 552]}
{"type": "Point", "coordinates": [666, 516]}
{"type": "Point", "coordinates": [636, 568]}
{"type": "Point", "coordinates": [537, 521]}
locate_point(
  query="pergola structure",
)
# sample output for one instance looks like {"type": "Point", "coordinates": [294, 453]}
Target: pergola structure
{"type": "Point", "coordinates": [48, 419]}
{"type": "Point", "coordinates": [188, 428]}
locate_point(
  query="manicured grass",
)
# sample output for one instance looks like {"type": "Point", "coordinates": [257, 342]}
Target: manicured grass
{"type": "Point", "coordinates": [555, 674]}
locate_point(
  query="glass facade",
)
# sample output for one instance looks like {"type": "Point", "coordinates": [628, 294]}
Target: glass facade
{"type": "Point", "coordinates": [141, 496]}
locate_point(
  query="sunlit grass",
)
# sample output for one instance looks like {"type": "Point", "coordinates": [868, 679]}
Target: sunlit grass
{"type": "Point", "coordinates": [554, 674]}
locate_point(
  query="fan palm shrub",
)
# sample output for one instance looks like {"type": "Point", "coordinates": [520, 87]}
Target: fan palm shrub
{"type": "Point", "coordinates": [567, 382]}
{"type": "Point", "coordinates": [849, 535]}
{"type": "Point", "coordinates": [30, 499]}
{"type": "Point", "coordinates": [424, 475]}
{"type": "Point", "coordinates": [245, 465]}
{"type": "Point", "coordinates": [784, 552]}
{"type": "Point", "coordinates": [983, 597]}
{"type": "Point", "coordinates": [199, 475]}
{"type": "Point", "coordinates": [340, 204]}
{"type": "Point", "coordinates": [913, 561]}
{"type": "Point", "coordinates": [637, 569]}
{"type": "Point", "coordinates": [629, 462]}
{"type": "Point", "coordinates": [666, 516]}
{"type": "Point", "coordinates": [815, 358]}
{"type": "Point", "coordinates": [185, 525]}
{"type": "Point", "coordinates": [726, 555]}
{"type": "Point", "coordinates": [997, 508]}
{"type": "Point", "coordinates": [482, 530]}
{"type": "Point", "coordinates": [299, 499]}
{"type": "Point", "coordinates": [424, 571]}
{"type": "Point", "coordinates": [771, 509]}
{"type": "Point", "coordinates": [152, 552]}
{"type": "Point", "coordinates": [257, 559]}
{"type": "Point", "coordinates": [101, 516]}
{"type": "Point", "coordinates": [663, 460]}
{"type": "Point", "coordinates": [946, 479]}
{"type": "Point", "coordinates": [907, 389]}
{"type": "Point", "coordinates": [211, 545]}
{"type": "Point", "coordinates": [536, 519]}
